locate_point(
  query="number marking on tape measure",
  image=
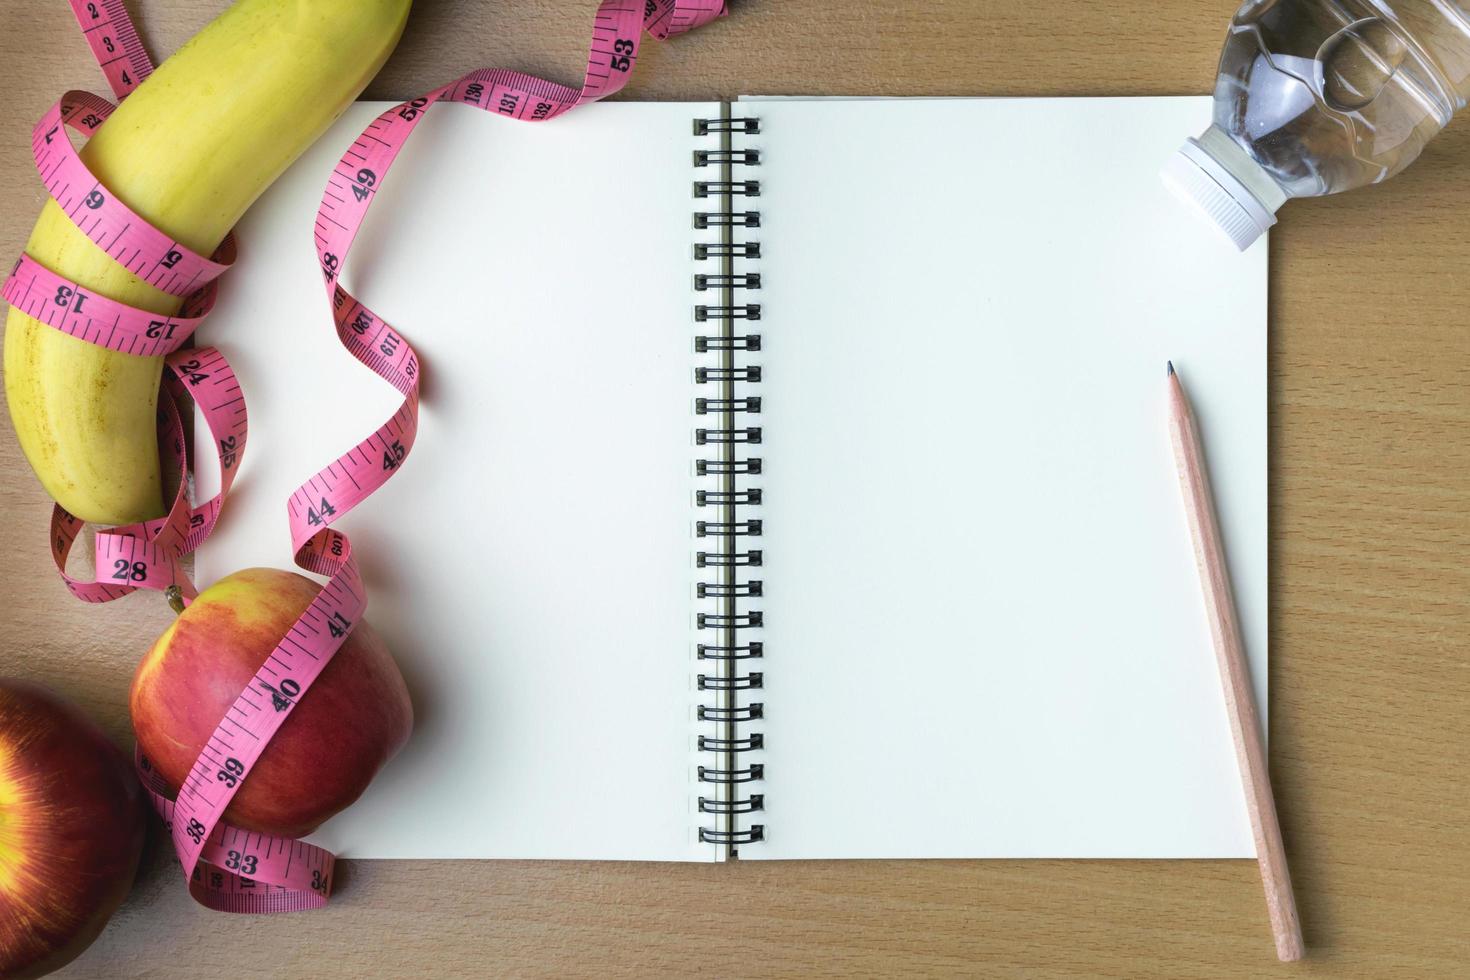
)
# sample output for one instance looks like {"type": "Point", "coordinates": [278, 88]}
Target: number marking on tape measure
{"type": "Point", "coordinates": [114, 42]}
{"type": "Point", "coordinates": [228, 868]}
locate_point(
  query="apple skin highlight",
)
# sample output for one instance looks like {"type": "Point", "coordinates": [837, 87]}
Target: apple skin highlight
{"type": "Point", "coordinates": [343, 729]}
{"type": "Point", "coordinates": [72, 825]}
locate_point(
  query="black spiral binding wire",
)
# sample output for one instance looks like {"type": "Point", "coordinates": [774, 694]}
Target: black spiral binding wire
{"type": "Point", "coordinates": [729, 416]}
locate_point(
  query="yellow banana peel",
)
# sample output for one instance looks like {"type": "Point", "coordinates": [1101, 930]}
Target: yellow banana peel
{"type": "Point", "coordinates": [189, 151]}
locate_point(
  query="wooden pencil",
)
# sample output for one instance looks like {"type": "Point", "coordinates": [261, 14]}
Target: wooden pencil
{"type": "Point", "coordinates": [1240, 702]}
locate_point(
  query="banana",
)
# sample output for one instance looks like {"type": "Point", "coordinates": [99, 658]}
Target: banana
{"type": "Point", "coordinates": [189, 151]}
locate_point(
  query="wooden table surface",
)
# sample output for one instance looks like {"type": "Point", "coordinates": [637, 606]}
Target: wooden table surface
{"type": "Point", "coordinates": [1370, 592]}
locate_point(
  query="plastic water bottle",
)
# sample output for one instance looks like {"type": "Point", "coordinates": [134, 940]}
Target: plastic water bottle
{"type": "Point", "coordinates": [1314, 97]}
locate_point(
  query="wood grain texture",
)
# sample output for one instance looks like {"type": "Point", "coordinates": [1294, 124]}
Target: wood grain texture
{"type": "Point", "coordinates": [1370, 595]}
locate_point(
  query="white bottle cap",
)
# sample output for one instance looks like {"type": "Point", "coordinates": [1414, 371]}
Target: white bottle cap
{"type": "Point", "coordinates": [1198, 178]}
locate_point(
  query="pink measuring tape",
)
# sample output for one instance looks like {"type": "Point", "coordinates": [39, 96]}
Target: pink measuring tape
{"type": "Point", "coordinates": [230, 869]}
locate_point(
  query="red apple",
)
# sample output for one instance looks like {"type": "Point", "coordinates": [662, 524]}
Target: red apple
{"type": "Point", "coordinates": [350, 722]}
{"type": "Point", "coordinates": [72, 823]}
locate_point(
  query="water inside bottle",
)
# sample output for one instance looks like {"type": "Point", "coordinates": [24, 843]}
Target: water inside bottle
{"type": "Point", "coordinates": [1332, 94]}
{"type": "Point", "coordinates": [1319, 96]}
{"type": "Point", "coordinates": [1357, 62]}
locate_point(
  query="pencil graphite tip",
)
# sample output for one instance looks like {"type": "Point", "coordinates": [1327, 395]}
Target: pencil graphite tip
{"type": "Point", "coordinates": [1170, 366]}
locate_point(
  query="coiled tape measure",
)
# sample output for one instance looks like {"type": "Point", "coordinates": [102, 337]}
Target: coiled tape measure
{"type": "Point", "coordinates": [228, 868]}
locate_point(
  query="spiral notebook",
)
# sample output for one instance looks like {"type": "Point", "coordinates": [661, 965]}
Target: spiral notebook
{"type": "Point", "coordinates": [814, 500]}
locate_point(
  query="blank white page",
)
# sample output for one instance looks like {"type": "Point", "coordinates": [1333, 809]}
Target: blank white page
{"type": "Point", "coordinates": [531, 565]}
{"type": "Point", "coordinates": [984, 633]}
